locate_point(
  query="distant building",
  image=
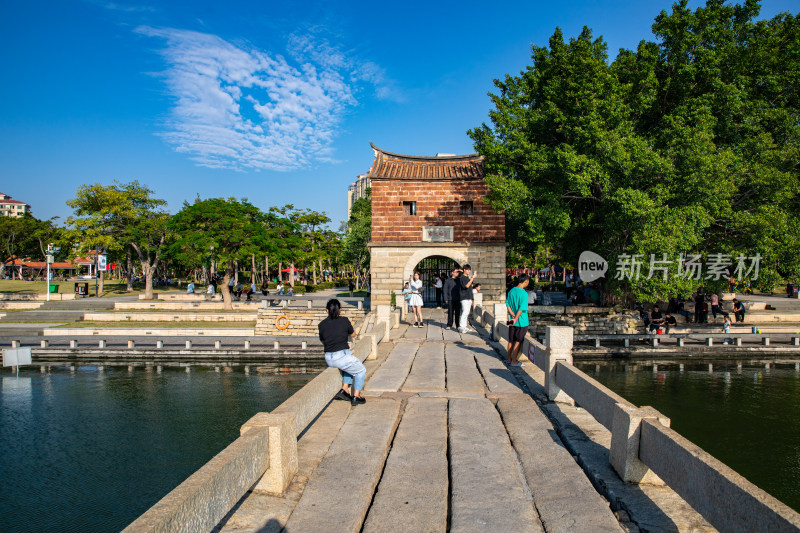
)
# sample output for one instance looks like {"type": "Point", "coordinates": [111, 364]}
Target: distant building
{"type": "Point", "coordinates": [357, 189]}
{"type": "Point", "coordinates": [12, 208]}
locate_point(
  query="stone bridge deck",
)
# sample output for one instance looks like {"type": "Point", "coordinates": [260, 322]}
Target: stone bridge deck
{"type": "Point", "coordinates": [449, 440]}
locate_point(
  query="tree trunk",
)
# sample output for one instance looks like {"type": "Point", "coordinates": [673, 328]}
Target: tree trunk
{"type": "Point", "coordinates": [148, 272]}
{"type": "Point", "coordinates": [266, 270]}
{"type": "Point", "coordinates": [100, 278]}
{"type": "Point", "coordinates": [213, 268]}
{"type": "Point", "coordinates": [321, 275]}
{"type": "Point", "coordinates": [252, 268]}
{"type": "Point", "coordinates": [225, 290]}
{"type": "Point", "coordinates": [236, 272]}
{"type": "Point", "coordinates": [291, 273]}
{"type": "Point", "coordinates": [280, 272]}
{"type": "Point", "coordinates": [130, 270]}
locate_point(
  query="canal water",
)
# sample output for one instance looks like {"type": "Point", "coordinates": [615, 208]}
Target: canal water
{"type": "Point", "coordinates": [748, 417]}
{"type": "Point", "coordinates": [84, 450]}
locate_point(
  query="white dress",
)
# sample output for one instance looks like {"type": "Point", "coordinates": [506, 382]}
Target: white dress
{"type": "Point", "coordinates": [416, 297]}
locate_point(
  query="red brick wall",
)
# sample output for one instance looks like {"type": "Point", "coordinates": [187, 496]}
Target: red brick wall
{"type": "Point", "coordinates": [441, 198]}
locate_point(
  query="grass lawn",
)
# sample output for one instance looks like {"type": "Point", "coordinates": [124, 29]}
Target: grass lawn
{"type": "Point", "coordinates": [128, 324]}
{"type": "Point", "coordinates": [355, 293]}
{"type": "Point", "coordinates": [112, 287]}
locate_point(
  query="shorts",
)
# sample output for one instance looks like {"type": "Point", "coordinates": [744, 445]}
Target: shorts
{"type": "Point", "coordinates": [516, 333]}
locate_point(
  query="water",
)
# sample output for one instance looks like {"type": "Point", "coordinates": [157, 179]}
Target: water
{"type": "Point", "coordinates": [91, 451]}
{"type": "Point", "coordinates": [748, 418]}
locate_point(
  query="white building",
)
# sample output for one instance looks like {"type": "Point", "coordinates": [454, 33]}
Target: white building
{"type": "Point", "coordinates": [12, 208]}
{"type": "Point", "coordinates": [357, 189]}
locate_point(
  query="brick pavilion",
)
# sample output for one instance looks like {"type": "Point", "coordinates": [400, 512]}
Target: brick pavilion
{"type": "Point", "coordinates": [432, 207]}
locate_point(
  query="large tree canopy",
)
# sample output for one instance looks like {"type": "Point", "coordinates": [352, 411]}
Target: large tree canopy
{"type": "Point", "coordinates": [688, 145]}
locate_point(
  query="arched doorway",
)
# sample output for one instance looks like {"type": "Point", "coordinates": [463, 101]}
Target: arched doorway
{"type": "Point", "coordinates": [430, 268]}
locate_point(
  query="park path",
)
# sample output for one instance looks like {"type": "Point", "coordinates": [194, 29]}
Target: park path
{"type": "Point", "coordinates": [448, 441]}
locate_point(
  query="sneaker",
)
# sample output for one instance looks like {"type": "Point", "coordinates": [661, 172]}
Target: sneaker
{"type": "Point", "coordinates": [724, 342]}
{"type": "Point", "coordinates": [462, 331]}
{"type": "Point", "coordinates": [415, 324]}
{"type": "Point", "coordinates": [517, 364]}
{"type": "Point", "coordinates": [357, 400]}
{"type": "Point", "coordinates": [343, 395]}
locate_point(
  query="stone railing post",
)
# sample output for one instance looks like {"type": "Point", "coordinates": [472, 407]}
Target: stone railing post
{"type": "Point", "coordinates": [384, 316]}
{"type": "Point", "coordinates": [558, 347]}
{"type": "Point", "coordinates": [477, 307]}
{"type": "Point", "coordinates": [500, 316]}
{"type": "Point", "coordinates": [626, 429]}
{"type": "Point", "coordinates": [282, 450]}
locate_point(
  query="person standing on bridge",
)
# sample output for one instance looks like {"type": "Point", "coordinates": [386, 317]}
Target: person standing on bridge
{"type": "Point", "coordinates": [415, 284]}
{"type": "Point", "coordinates": [465, 287]}
{"type": "Point", "coordinates": [334, 332]}
{"type": "Point", "coordinates": [517, 306]}
{"type": "Point", "coordinates": [452, 298]}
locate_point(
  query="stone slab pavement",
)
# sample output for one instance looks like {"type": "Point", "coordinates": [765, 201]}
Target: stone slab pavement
{"type": "Point", "coordinates": [392, 373]}
{"type": "Point", "coordinates": [340, 490]}
{"type": "Point", "coordinates": [427, 372]}
{"type": "Point", "coordinates": [567, 503]}
{"type": "Point", "coordinates": [486, 494]}
{"type": "Point", "coordinates": [449, 440]}
{"type": "Point", "coordinates": [462, 373]}
{"type": "Point", "coordinates": [412, 496]}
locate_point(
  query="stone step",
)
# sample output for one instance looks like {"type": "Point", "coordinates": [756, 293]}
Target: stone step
{"type": "Point", "coordinates": [392, 373]}
{"type": "Point", "coordinates": [340, 490]}
{"type": "Point", "coordinates": [564, 497]}
{"type": "Point", "coordinates": [462, 374]}
{"type": "Point", "coordinates": [486, 493]}
{"type": "Point", "coordinates": [427, 371]}
{"type": "Point", "coordinates": [498, 377]}
{"type": "Point", "coordinates": [412, 495]}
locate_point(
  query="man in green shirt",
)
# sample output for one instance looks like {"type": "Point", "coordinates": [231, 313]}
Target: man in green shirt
{"type": "Point", "coordinates": [517, 306]}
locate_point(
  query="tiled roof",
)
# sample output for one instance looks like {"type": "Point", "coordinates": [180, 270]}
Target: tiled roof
{"type": "Point", "coordinates": [7, 201]}
{"type": "Point", "coordinates": [411, 167]}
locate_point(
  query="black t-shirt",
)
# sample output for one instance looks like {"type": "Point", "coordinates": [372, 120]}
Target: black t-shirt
{"type": "Point", "coordinates": [465, 292]}
{"type": "Point", "coordinates": [656, 316]}
{"type": "Point", "coordinates": [334, 333]}
{"type": "Point", "coordinates": [670, 320]}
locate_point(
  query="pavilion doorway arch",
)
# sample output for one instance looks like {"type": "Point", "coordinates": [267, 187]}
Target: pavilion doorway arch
{"type": "Point", "coordinates": [430, 268]}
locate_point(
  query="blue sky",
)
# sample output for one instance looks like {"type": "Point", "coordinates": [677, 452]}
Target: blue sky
{"type": "Point", "coordinates": [273, 101]}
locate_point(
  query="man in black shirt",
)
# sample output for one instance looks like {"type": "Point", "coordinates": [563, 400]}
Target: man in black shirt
{"type": "Point", "coordinates": [452, 297]}
{"type": "Point", "coordinates": [465, 290]}
{"type": "Point", "coordinates": [656, 319]}
{"type": "Point", "coordinates": [669, 321]}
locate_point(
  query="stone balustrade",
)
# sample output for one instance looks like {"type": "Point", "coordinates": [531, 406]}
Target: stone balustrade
{"type": "Point", "coordinates": [264, 457]}
{"type": "Point", "coordinates": [645, 450]}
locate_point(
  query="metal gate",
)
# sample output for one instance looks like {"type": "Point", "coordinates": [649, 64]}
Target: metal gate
{"type": "Point", "coordinates": [429, 269]}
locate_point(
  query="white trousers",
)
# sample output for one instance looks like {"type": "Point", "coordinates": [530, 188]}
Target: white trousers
{"type": "Point", "coordinates": [466, 307]}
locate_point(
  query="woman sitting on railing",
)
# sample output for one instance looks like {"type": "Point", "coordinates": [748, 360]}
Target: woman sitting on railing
{"type": "Point", "coordinates": [334, 332]}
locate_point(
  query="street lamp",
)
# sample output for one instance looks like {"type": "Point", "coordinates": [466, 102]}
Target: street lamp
{"type": "Point", "coordinates": [51, 251]}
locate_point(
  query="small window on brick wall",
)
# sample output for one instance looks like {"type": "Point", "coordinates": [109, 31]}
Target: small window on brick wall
{"type": "Point", "coordinates": [410, 208]}
{"type": "Point", "coordinates": [467, 207]}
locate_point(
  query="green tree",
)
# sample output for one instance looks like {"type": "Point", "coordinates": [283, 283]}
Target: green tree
{"type": "Point", "coordinates": [688, 145]}
{"type": "Point", "coordinates": [25, 236]}
{"type": "Point", "coordinates": [358, 233]}
{"type": "Point", "coordinates": [118, 218]}
{"type": "Point", "coordinates": [225, 229]}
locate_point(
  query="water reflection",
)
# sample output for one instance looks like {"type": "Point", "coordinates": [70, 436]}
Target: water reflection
{"type": "Point", "coordinates": [744, 413]}
{"type": "Point", "coordinates": [91, 447]}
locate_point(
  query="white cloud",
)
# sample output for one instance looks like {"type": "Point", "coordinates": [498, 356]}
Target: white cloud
{"type": "Point", "coordinates": [247, 109]}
